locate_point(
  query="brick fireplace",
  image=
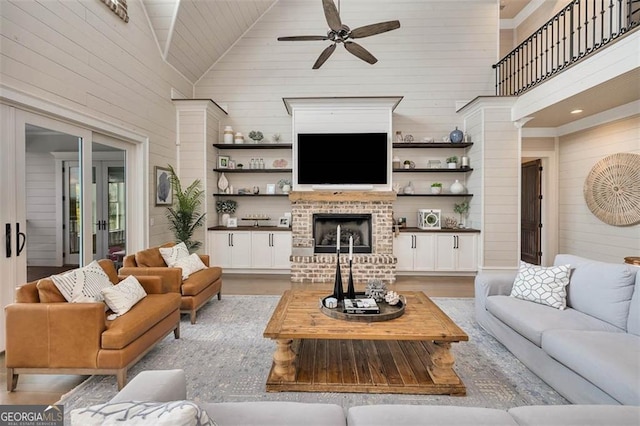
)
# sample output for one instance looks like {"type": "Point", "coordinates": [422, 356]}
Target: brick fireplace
{"type": "Point", "coordinates": [307, 266]}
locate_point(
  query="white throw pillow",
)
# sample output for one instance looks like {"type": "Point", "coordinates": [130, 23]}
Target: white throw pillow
{"type": "Point", "coordinates": [189, 265]}
{"type": "Point", "coordinates": [544, 285]}
{"type": "Point", "coordinates": [172, 254]}
{"type": "Point", "coordinates": [83, 284]}
{"type": "Point", "coordinates": [120, 298]}
{"type": "Point", "coordinates": [173, 413]}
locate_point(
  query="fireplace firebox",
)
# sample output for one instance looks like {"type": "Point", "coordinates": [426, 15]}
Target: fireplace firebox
{"type": "Point", "coordinates": [356, 225]}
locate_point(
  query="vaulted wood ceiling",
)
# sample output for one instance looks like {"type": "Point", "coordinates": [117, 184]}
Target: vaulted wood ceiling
{"type": "Point", "coordinates": [194, 34]}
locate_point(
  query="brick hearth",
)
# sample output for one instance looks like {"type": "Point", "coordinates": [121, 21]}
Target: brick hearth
{"type": "Point", "coordinates": [320, 268]}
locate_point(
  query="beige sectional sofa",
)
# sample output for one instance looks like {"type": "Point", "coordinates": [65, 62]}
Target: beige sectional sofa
{"type": "Point", "coordinates": [170, 385]}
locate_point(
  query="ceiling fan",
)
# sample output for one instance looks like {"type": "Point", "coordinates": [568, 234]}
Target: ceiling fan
{"type": "Point", "coordinates": [341, 33]}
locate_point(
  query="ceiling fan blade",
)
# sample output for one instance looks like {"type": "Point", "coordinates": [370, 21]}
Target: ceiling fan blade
{"type": "Point", "coordinates": [332, 15]}
{"type": "Point", "coordinates": [303, 38]}
{"type": "Point", "coordinates": [360, 52]}
{"type": "Point", "coordinates": [369, 30]}
{"type": "Point", "coordinates": [324, 56]}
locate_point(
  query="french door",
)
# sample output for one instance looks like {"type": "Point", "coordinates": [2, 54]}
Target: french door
{"type": "Point", "coordinates": [108, 209]}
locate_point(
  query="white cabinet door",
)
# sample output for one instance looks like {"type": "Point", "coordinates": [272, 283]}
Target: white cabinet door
{"type": "Point", "coordinates": [424, 256]}
{"type": "Point", "coordinates": [281, 244]}
{"type": "Point", "coordinates": [271, 250]}
{"type": "Point", "coordinates": [445, 252]}
{"type": "Point", "coordinates": [230, 249]}
{"type": "Point", "coordinates": [261, 250]}
{"type": "Point", "coordinates": [467, 252]}
{"type": "Point", "coordinates": [414, 252]}
{"type": "Point", "coordinates": [456, 252]}
{"type": "Point", "coordinates": [403, 249]}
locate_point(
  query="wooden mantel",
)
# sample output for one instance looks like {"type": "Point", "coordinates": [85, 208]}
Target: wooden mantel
{"type": "Point", "coordinates": [361, 196]}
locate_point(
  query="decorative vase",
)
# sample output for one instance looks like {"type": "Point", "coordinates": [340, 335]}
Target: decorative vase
{"type": "Point", "coordinates": [337, 285]}
{"type": "Point", "coordinates": [351, 291]}
{"type": "Point", "coordinates": [456, 187]}
{"type": "Point", "coordinates": [238, 138]}
{"type": "Point", "coordinates": [456, 136]}
{"type": "Point", "coordinates": [225, 219]}
{"type": "Point", "coordinates": [223, 183]}
{"type": "Point", "coordinates": [286, 188]}
{"type": "Point", "coordinates": [228, 134]}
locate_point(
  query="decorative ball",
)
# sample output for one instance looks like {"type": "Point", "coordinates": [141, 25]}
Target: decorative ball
{"type": "Point", "coordinates": [392, 298]}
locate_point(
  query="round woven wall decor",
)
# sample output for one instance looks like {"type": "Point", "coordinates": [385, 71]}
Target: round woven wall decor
{"type": "Point", "coordinates": [612, 189]}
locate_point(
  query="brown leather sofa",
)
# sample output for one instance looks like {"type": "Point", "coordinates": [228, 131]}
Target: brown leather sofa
{"type": "Point", "coordinates": [196, 290]}
{"type": "Point", "coordinates": [47, 335]}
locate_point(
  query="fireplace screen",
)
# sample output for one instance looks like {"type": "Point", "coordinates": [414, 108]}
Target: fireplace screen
{"type": "Point", "coordinates": [325, 231]}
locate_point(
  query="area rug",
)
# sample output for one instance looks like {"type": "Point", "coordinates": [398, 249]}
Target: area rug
{"type": "Point", "coordinates": [226, 359]}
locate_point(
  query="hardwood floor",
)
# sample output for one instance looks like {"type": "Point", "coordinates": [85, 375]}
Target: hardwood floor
{"type": "Point", "coordinates": [47, 389]}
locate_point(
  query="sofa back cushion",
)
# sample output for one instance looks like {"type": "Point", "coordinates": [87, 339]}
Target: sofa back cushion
{"type": "Point", "coordinates": [48, 292]}
{"type": "Point", "coordinates": [633, 324]}
{"type": "Point", "coordinates": [600, 289]}
{"type": "Point", "coordinates": [27, 293]}
{"type": "Point", "coordinates": [151, 257]}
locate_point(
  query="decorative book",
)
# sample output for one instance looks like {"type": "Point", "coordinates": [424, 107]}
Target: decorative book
{"type": "Point", "coordinates": [361, 306]}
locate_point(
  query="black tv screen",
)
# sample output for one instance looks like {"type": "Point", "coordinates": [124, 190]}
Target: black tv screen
{"type": "Point", "coordinates": [342, 158]}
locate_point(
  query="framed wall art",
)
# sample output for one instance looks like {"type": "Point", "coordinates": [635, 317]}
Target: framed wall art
{"type": "Point", "coordinates": [164, 192]}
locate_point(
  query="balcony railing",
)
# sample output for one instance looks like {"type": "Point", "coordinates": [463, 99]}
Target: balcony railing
{"type": "Point", "coordinates": [577, 31]}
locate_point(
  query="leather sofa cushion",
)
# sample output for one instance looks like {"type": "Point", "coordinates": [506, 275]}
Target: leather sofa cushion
{"type": "Point", "coordinates": [602, 290]}
{"type": "Point", "coordinates": [531, 319]}
{"type": "Point", "coordinates": [28, 293]}
{"type": "Point", "coordinates": [150, 257]}
{"type": "Point", "coordinates": [142, 316]}
{"type": "Point", "coordinates": [611, 361]}
{"type": "Point", "coordinates": [200, 280]}
{"type": "Point", "coordinates": [48, 292]}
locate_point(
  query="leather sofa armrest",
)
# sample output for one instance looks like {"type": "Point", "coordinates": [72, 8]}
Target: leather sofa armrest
{"type": "Point", "coordinates": [152, 284]}
{"type": "Point", "coordinates": [155, 386]}
{"type": "Point", "coordinates": [54, 335]}
{"type": "Point", "coordinates": [171, 277]}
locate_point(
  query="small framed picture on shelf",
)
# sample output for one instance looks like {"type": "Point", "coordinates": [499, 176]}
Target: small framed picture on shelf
{"type": "Point", "coordinates": [223, 161]}
{"type": "Point", "coordinates": [232, 222]}
{"type": "Point", "coordinates": [284, 222]}
{"type": "Point", "coordinates": [271, 188]}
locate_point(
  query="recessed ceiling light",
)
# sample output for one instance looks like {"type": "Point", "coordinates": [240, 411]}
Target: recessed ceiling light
{"type": "Point", "coordinates": [576, 111]}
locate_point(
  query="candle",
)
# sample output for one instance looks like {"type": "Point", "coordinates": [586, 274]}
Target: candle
{"type": "Point", "coordinates": [338, 239]}
{"type": "Point", "coordinates": [350, 247]}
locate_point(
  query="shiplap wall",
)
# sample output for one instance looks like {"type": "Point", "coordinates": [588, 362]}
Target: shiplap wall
{"type": "Point", "coordinates": [580, 232]}
{"type": "Point", "coordinates": [440, 55]}
{"type": "Point", "coordinates": [41, 209]}
{"type": "Point", "coordinates": [80, 55]}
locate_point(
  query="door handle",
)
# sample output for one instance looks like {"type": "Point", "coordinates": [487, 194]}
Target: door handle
{"type": "Point", "coordinates": [21, 239]}
{"type": "Point", "coordinates": [7, 239]}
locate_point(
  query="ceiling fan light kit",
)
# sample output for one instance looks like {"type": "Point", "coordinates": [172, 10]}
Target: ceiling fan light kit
{"type": "Point", "coordinates": [341, 33]}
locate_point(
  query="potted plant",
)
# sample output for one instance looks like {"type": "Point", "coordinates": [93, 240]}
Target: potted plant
{"type": "Point", "coordinates": [284, 185]}
{"type": "Point", "coordinates": [256, 136]}
{"type": "Point", "coordinates": [436, 188]}
{"type": "Point", "coordinates": [462, 209]}
{"type": "Point", "coordinates": [452, 162]}
{"type": "Point", "coordinates": [226, 207]}
{"type": "Point", "coordinates": [184, 215]}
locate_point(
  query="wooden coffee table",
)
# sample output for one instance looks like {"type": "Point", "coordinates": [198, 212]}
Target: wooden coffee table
{"type": "Point", "coordinates": [315, 353]}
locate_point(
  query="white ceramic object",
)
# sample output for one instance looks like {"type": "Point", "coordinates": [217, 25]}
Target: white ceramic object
{"type": "Point", "coordinates": [436, 189]}
{"type": "Point", "coordinates": [223, 183]}
{"type": "Point", "coordinates": [228, 134]}
{"type": "Point", "coordinates": [225, 219]}
{"type": "Point", "coordinates": [457, 187]}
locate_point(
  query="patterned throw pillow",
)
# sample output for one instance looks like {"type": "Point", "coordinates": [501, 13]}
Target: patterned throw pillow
{"type": "Point", "coordinates": [120, 298]}
{"type": "Point", "coordinates": [544, 285]}
{"type": "Point", "coordinates": [83, 284]}
{"type": "Point", "coordinates": [189, 265]}
{"type": "Point", "coordinates": [172, 254]}
{"type": "Point", "coordinates": [173, 413]}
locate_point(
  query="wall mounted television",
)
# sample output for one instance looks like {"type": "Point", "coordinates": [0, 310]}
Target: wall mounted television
{"type": "Point", "coordinates": [342, 159]}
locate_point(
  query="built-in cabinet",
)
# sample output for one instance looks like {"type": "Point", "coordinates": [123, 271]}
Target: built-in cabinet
{"type": "Point", "coordinates": [414, 251]}
{"type": "Point", "coordinates": [250, 249]}
{"type": "Point", "coordinates": [271, 249]}
{"type": "Point", "coordinates": [425, 251]}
